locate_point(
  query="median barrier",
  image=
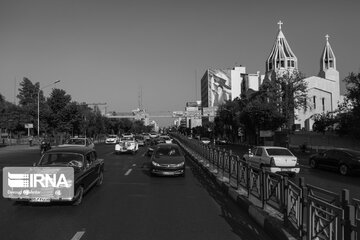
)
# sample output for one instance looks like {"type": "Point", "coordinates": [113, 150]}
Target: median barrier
{"type": "Point", "coordinates": [286, 210]}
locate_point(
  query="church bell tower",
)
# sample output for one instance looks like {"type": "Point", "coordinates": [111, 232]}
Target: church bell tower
{"type": "Point", "coordinates": [328, 63]}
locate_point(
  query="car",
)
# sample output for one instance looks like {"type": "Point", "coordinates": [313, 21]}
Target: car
{"type": "Point", "coordinates": [222, 141]}
{"type": "Point", "coordinates": [205, 140]}
{"type": "Point", "coordinates": [345, 161]}
{"type": "Point", "coordinates": [78, 141]}
{"type": "Point", "coordinates": [88, 169]}
{"type": "Point", "coordinates": [126, 145]}
{"type": "Point", "coordinates": [153, 135]}
{"type": "Point", "coordinates": [166, 138]}
{"type": "Point", "coordinates": [274, 159]}
{"type": "Point", "coordinates": [127, 135]}
{"type": "Point", "coordinates": [140, 140]}
{"type": "Point", "coordinates": [112, 139]}
{"type": "Point", "coordinates": [167, 160]}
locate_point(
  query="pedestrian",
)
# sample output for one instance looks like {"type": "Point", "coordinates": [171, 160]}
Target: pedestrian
{"type": "Point", "coordinates": [30, 141]}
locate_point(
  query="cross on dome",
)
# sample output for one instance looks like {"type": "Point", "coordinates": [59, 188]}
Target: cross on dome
{"type": "Point", "coordinates": [280, 23]}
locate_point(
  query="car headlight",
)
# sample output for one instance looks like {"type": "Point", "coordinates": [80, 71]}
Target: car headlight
{"type": "Point", "coordinates": [155, 164]}
{"type": "Point", "coordinates": [180, 164]}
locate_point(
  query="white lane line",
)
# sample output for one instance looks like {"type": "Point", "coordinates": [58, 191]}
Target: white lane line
{"type": "Point", "coordinates": [78, 235]}
{"type": "Point", "coordinates": [128, 172]}
{"type": "Point", "coordinates": [110, 153]}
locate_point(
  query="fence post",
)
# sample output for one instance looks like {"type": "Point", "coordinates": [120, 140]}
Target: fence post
{"type": "Point", "coordinates": [303, 199]}
{"type": "Point", "coordinates": [284, 200]}
{"type": "Point", "coordinates": [349, 215]}
{"type": "Point", "coordinates": [262, 187]}
{"type": "Point", "coordinates": [237, 171]}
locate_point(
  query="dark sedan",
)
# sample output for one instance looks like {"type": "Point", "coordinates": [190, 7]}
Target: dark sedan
{"type": "Point", "coordinates": [168, 160]}
{"type": "Point", "coordinates": [346, 161]}
{"type": "Point", "coordinates": [88, 168]}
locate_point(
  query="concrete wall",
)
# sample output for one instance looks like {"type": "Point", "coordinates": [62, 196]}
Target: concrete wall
{"type": "Point", "coordinates": [322, 141]}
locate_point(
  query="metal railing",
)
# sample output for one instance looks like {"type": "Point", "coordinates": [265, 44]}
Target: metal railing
{"type": "Point", "coordinates": [313, 212]}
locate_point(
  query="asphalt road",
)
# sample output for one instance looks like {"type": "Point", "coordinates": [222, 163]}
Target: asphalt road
{"type": "Point", "coordinates": [129, 205]}
{"type": "Point", "coordinates": [328, 179]}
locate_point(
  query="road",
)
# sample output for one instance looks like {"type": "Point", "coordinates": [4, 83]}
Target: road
{"type": "Point", "coordinates": [324, 178]}
{"type": "Point", "coordinates": [130, 204]}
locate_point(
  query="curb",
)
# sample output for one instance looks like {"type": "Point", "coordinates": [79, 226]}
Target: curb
{"type": "Point", "coordinates": [271, 225]}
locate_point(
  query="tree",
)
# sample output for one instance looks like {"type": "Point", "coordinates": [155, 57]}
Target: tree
{"type": "Point", "coordinates": [288, 91]}
{"type": "Point", "coordinates": [323, 121]}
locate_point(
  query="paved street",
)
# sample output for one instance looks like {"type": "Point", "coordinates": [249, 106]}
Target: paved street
{"type": "Point", "coordinates": [129, 205]}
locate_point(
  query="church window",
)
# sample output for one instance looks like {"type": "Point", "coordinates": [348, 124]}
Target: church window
{"type": "Point", "coordinates": [282, 63]}
{"type": "Point", "coordinates": [331, 64]}
{"type": "Point", "coordinates": [323, 104]}
{"type": "Point", "coordinates": [270, 66]}
{"type": "Point", "coordinates": [314, 101]}
{"type": "Point", "coordinates": [292, 64]}
{"type": "Point", "coordinates": [288, 63]}
{"type": "Point", "coordinates": [326, 64]}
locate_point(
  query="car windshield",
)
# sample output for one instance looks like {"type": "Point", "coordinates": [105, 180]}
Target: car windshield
{"type": "Point", "coordinates": [112, 136]}
{"type": "Point", "coordinates": [76, 141]}
{"type": "Point", "coordinates": [127, 139]}
{"type": "Point", "coordinates": [278, 152]}
{"type": "Point", "coordinates": [165, 137]}
{"type": "Point", "coordinates": [139, 137]}
{"type": "Point", "coordinates": [205, 139]}
{"type": "Point", "coordinates": [59, 158]}
{"type": "Point", "coordinates": [166, 151]}
{"type": "Point", "coordinates": [353, 153]}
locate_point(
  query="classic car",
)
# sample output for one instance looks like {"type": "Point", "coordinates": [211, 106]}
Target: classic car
{"type": "Point", "coordinates": [274, 159]}
{"type": "Point", "coordinates": [88, 171]}
{"type": "Point", "coordinates": [127, 145]}
{"type": "Point", "coordinates": [167, 159]}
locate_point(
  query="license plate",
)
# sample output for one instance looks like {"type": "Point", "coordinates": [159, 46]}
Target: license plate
{"type": "Point", "coordinates": [168, 173]}
{"type": "Point", "coordinates": [38, 199]}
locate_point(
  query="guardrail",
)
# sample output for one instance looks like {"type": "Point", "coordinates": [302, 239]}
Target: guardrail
{"type": "Point", "coordinates": [313, 212]}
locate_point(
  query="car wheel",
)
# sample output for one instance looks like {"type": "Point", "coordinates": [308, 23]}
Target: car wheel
{"type": "Point", "coordinates": [344, 170]}
{"type": "Point", "coordinates": [313, 163]}
{"type": "Point", "coordinates": [100, 178]}
{"type": "Point", "coordinates": [78, 196]}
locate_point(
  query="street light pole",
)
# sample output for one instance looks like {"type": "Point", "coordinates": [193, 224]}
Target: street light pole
{"type": "Point", "coordinates": [38, 110]}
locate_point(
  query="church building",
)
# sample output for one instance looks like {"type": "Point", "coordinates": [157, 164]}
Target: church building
{"type": "Point", "coordinates": [323, 89]}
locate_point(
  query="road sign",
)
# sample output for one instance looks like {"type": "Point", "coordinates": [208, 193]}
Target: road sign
{"type": "Point", "coordinates": [29, 125]}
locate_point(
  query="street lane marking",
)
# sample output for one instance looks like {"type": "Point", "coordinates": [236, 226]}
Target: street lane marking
{"type": "Point", "coordinates": [78, 235]}
{"type": "Point", "coordinates": [110, 153]}
{"type": "Point", "coordinates": [128, 172]}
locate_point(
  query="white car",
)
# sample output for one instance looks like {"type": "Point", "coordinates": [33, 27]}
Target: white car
{"type": "Point", "coordinates": [205, 140]}
{"type": "Point", "coordinates": [126, 144]}
{"type": "Point", "coordinates": [112, 139]}
{"type": "Point", "coordinates": [274, 159]}
{"type": "Point", "coordinates": [153, 135]}
{"type": "Point", "coordinates": [167, 139]}
{"type": "Point", "coordinates": [127, 135]}
{"type": "Point", "coordinates": [84, 142]}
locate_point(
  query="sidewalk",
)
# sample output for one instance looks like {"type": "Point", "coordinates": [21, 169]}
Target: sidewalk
{"type": "Point", "coordinates": [17, 147]}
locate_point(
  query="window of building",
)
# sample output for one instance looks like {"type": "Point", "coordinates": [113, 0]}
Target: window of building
{"type": "Point", "coordinates": [323, 104]}
{"type": "Point", "coordinates": [314, 101]}
{"type": "Point", "coordinates": [282, 63]}
{"type": "Point", "coordinates": [289, 63]}
{"type": "Point", "coordinates": [331, 64]}
{"type": "Point", "coordinates": [292, 63]}
{"type": "Point", "coordinates": [270, 66]}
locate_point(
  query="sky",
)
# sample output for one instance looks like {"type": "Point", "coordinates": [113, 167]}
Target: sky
{"type": "Point", "coordinates": [106, 51]}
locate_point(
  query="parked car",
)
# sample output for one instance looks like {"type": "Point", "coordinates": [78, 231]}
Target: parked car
{"type": "Point", "coordinates": [346, 161]}
{"type": "Point", "coordinates": [88, 168]}
{"type": "Point", "coordinates": [84, 142]}
{"type": "Point", "coordinates": [112, 139]}
{"type": "Point", "coordinates": [127, 135]}
{"type": "Point", "coordinates": [167, 159]}
{"type": "Point", "coordinates": [274, 159]}
{"type": "Point", "coordinates": [126, 145]}
{"type": "Point", "coordinates": [153, 135]}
